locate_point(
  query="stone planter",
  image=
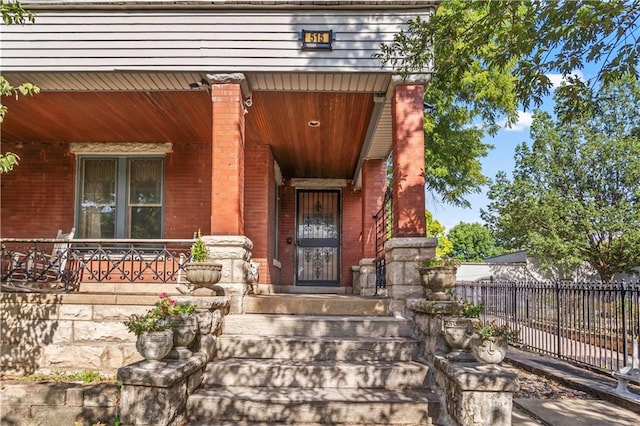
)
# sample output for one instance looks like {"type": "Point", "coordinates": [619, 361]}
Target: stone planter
{"type": "Point", "coordinates": [184, 330]}
{"type": "Point", "coordinates": [154, 346]}
{"type": "Point", "coordinates": [489, 351]}
{"type": "Point", "coordinates": [436, 280]}
{"type": "Point", "coordinates": [458, 332]}
{"type": "Point", "coordinates": [203, 274]}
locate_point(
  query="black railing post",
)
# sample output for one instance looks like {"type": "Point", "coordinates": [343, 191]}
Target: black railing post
{"type": "Point", "coordinates": [625, 346]}
{"type": "Point", "coordinates": [558, 323]}
{"type": "Point", "coordinates": [383, 231]}
{"type": "Point", "coordinates": [514, 302]}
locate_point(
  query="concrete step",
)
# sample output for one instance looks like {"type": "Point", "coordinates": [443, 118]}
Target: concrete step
{"type": "Point", "coordinates": [317, 348]}
{"type": "Point", "coordinates": [316, 325]}
{"type": "Point", "coordinates": [316, 304]}
{"type": "Point", "coordinates": [317, 374]}
{"type": "Point", "coordinates": [319, 405]}
{"type": "Point", "coordinates": [244, 423]}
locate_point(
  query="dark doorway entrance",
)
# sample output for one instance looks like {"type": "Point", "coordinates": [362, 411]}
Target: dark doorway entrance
{"type": "Point", "coordinates": [318, 238]}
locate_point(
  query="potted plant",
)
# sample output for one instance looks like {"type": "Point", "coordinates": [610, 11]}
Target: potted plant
{"type": "Point", "coordinates": [438, 274]}
{"type": "Point", "coordinates": [183, 322]}
{"type": "Point", "coordinates": [490, 341]}
{"type": "Point", "coordinates": [201, 271]}
{"type": "Point", "coordinates": [154, 337]}
{"type": "Point", "coordinates": [459, 329]}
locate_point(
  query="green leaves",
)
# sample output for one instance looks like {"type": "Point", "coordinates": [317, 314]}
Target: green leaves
{"type": "Point", "coordinates": [490, 56]}
{"type": "Point", "coordinates": [574, 196]}
{"type": "Point", "coordinates": [13, 13]}
{"type": "Point", "coordinates": [470, 98]}
{"type": "Point", "coordinates": [472, 242]}
{"type": "Point", "coordinates": [7, 161]}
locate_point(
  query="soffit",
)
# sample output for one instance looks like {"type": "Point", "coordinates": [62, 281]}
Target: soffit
{"type": "Point", "coordinates": [233, 4]}
{"type": "Point", "coordinates": [143, 81]}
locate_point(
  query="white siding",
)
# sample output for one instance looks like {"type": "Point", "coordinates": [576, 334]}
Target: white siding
{"type": "Point", "coordinates": [198, 40]}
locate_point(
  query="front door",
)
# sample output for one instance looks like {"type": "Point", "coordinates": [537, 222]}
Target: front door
{"type": "Point", "coordinates": [318, 238]}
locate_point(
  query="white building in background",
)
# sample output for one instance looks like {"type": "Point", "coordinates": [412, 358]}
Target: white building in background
{"type": "Point", "coordinates": [518, 266]}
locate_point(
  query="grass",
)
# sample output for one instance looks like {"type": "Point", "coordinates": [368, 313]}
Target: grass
{"type": "Point", "coordinates": [86, 376]}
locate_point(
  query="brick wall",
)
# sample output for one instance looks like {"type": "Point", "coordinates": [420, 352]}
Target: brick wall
{"type": "Point", "coordinates": [38, 197]}
{"type": "Point", "coordinates": [287, 225]}
{"type": "Point", "coordinates": [374, 183]}
{"type": "Point", "coordinates": [260, 209]}
{"type": "Point", "coordinates": [187, 191]}
{"type": "Point", "coordinates": [351, 233]}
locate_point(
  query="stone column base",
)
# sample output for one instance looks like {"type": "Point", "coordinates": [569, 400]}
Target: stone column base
{"type": "Point", "coordinates": [234, 252]}
{"type": "Point", "coordinates": [475, 394]}
{"type": "Point", "coordinates": [367, 277]}
{"type": "Point", "coordinates": [403, 279]}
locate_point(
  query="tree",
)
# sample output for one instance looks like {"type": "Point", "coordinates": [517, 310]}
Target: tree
{"type": "Point", "coordinates": [472, 242]}
{"type": "Point", "coordinates": [491, 55]}
{"type": "Point", "coordinates": [574, 196]}
{"type": "Point", "coordinates": [531, 38]}
{"type": "Point", "coordinates": [470, 102]}
{"type": "Point", "coordinates": [436, 230]}
{"type": "Point", "coordinates": [13, 13]}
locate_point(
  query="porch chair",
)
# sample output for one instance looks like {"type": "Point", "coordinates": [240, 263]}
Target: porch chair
{"type": "Point", "coordinates": [36, 266]}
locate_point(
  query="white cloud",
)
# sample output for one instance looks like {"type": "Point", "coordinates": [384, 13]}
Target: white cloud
{"type": "Point", "coordinates": [557, 79]}
{"type": "Point", "coordinates": [523, 123]}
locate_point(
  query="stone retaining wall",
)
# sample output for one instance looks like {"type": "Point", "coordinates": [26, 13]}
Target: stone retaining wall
{"type": "Point", "coordinates": [69, 332]}
{"type": "Point", "coordinates": [31, 404]}
{"type": "Point", "coordinates": [471, 393]}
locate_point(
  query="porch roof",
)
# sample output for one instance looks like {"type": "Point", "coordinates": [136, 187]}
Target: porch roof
{"type": "Point", "coordinates": [175, 107]}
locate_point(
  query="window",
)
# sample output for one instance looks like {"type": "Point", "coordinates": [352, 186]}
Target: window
{"type": "Point", "coordinates": [120, 197]}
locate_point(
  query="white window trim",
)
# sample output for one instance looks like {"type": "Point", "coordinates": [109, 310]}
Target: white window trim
{"type": "Point", "coordinates": [120, 148]}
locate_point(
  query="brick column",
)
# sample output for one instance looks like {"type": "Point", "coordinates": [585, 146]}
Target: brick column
{"type": "Point", "coordinates": [260, 208]}
{"type": "Point", "coordinates": [227, 159]}
{"type": "Point", "coordinates": [374, 183]}
{"type": "Point", "coordinates": [408, 161]}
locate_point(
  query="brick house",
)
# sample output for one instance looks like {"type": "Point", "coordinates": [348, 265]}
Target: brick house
{"type": "Point", "coordinates": [266, 125]}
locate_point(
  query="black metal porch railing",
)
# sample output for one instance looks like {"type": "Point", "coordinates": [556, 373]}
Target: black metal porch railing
{"type": "Point", "coordinates": [60, 264]}
{"type": "Point", "coordinates": [591, 324]}
{"type": "Point", "coordinates": [384, 230]}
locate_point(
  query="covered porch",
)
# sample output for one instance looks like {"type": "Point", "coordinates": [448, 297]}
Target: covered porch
{"type": "Point", "coordinates": [289, 169]}
{"type": "Point", "coordinates": [265, 126]}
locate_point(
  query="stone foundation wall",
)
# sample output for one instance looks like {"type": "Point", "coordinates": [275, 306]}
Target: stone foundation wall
{"type": "Point", "coordinates": [68, 332]}
{"type": "Point", "coordinates": [29, 404]}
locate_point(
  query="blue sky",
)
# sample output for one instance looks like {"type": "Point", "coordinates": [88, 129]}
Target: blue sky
{"type": "Point", "coordinates": [499, 159]}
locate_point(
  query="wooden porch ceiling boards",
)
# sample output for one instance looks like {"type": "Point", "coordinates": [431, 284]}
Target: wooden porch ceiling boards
{"type": "Point", "coordinates": [276, 118]}
{"type": "Point", "coordinates": [181, 116]}
{"type": "Point", "coordinates": [280, 119]}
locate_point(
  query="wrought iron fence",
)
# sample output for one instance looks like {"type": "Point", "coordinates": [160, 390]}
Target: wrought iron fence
{"type": "Point", "coordinates": [591, 324]}
{"type": "Point", "coordinates": [384, 231]}
{"type": "Point", "coordinates": [60, 264]}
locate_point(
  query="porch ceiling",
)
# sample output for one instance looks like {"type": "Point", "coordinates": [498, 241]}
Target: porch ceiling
{"type": "Point", "coordinates": [331, 150]}
{"type": "Point", "coordinates": [109, 117]}
{"type": "Point", "coordinates": [160, 107]}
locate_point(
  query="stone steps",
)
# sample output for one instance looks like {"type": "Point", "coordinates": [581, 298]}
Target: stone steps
{"type": "Point", "coordinates": [313, 405]}
{"type": "Point", "coordinates": [316, 325]}
{"type": "Point", "coordinates": [317, 348]}
{"type": "Point", "coordinates": [319, 374]}
{"type": "Point", "coordinates": [312, 304]}
{"type": "Point", "coordinates": [323, 362]}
